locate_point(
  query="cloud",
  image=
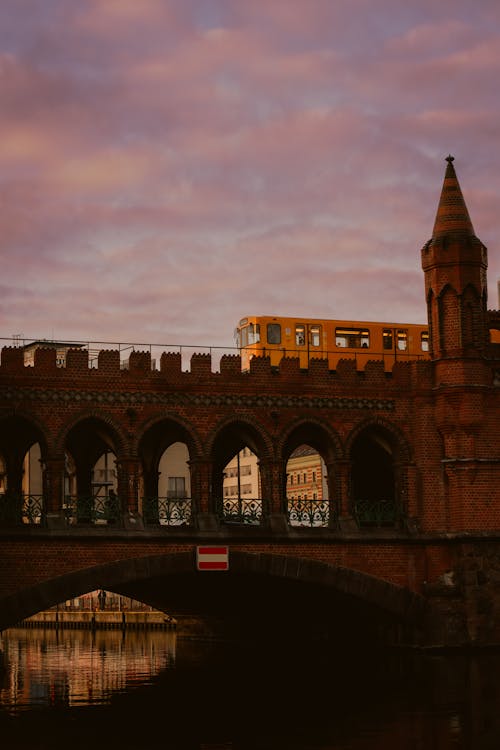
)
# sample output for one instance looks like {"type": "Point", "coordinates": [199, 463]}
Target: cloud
{"type": "Point", "coordinates": [167, 167]}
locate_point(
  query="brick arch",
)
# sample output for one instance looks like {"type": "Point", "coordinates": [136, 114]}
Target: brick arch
{"type": "Point", "coordinates": [154, 437]}
{"type": "Point", "coordinates": [433, 321]}
{"type": "Point", "coordinates": [227, 439]}
{"type": "Point", "coordinates": [18, 434]}
{"type": "Point", "coordinates": [313, 432]}
{"type": "Point", "coordinates": [325, 441]}
{"type": "Point", "coordinates": [446, 288]}
{"type": "Point", "coordinates": [116, 431]}
{"type": "Point", "coordinates": [377, 482]}
{"type": "Point", "coordinates": [449, 318]}
{"type": "Point", "coordinates": [250, 429]}
{"type": "Point", "coordinates": [473, 318]}
{"type": "Point", "coordinates": [186, 430]}
{"type": "Point", "coordinates": [400, 439]}
{"type": "Point", "coordinates": [398, 602]}
{"type": "Point", "coordinates": [40, 427]}
{"type": "Point", "coordinates": [176, 426]}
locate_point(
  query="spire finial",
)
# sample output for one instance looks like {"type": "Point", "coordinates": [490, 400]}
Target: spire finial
{"type": "Point", "coordinates": [452, 216]}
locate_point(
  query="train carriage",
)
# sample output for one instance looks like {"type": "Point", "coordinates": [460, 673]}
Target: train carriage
{"type": "Point", "coordinates": [314, 338]}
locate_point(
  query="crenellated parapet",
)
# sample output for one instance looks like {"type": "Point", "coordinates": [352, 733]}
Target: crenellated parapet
{"type": "Point", "coordinates": [138, 369]}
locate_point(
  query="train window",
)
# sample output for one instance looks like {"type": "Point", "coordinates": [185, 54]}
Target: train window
{"type": "Point", "coordinates": [402, 339]}
{"type": "Point", "coordinates": [315, 335]}
{"type": "Point", "coordinates": [253, 333]}
{"type": "Point", "coordinates": [424, 341]}
{"type": "Point", "coordinates": [300, 335]}
{"type": "Point", "coordinates": [244, 336]}
{"type": "Point", "coordinates": [352, 338]}
{"type": "Point", "coordinates": [387, 338]}
{"type": "Point", "coordinates": [273, 333]}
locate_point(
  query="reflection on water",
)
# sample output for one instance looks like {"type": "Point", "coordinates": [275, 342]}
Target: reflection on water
{"type": "Point", "coordinates": [153, 690]}
{"type": "Point", "coordinates": [78, 667]}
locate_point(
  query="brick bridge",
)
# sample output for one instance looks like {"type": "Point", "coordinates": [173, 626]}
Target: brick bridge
{"type": "Point", "coordinates": [407, 544]}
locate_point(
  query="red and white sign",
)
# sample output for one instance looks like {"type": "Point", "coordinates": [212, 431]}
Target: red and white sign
{"type": "Point", "coordinates": [212, 558]}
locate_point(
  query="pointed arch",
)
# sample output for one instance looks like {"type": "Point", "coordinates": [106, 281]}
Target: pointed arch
{"type": "Point", "coordinates": [474, 329]}
{"type": "Point", "coordinates": [167, 447]}
{"type": "Point", "coordinates": [311, 481]}
{"type": "Point", "coordinates": [449, 318]}
{"type": "Point", "coordinates": [378, 456]}
{"type": "Point", "coordinates": [228, 443]}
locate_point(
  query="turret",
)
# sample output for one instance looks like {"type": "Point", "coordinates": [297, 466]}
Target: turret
{"type": "Point", "coordinates": [454, 261]}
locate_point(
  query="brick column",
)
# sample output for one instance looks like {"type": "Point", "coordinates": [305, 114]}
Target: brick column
{"type": "Point", "coordinates": [129, 470]}
{"type": "Point", "coordinates": [342, 488]}
{"type": "Point", "coordinates": [53, 484]}
{"type": "Point", "coordinates": [408, 494]}
{"type": "Point", "coordinates": [203, 494]}
{"type": "Point", "coordinates": [53, 491]}
{"type": "Point", "coordinates": [273, 482]}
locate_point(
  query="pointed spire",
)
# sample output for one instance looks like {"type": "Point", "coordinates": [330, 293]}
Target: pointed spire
{"type": "Point", "coordinates": [452, 216]}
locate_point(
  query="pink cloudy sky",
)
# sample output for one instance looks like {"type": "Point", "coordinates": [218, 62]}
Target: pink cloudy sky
{"type": "Point", "coordinates": [170, 166]}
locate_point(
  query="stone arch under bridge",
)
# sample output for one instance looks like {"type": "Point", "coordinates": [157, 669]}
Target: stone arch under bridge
{"type": "Point", "coordinates": [265, 588]}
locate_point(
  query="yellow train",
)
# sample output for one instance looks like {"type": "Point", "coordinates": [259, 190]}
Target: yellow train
{"type": "Point", "coordinates": [308, 338]}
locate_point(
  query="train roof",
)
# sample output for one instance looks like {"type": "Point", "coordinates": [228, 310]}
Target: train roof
{"type": "Point", "coordinates": [350, 322]}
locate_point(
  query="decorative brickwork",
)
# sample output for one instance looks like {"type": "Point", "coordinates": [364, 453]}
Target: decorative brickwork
{"type": "Point", "coordinates": [412, 460]}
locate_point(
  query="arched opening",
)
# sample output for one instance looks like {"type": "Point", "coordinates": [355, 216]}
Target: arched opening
{"type": "Point", "coordinates": [32, 485]}
{"type": "Point", "coordinates": [241, 488]}
{"type": "Point", "coordinates": [306, 488]}
{"type": "Point", "coordinates": [166, 484]}
{"type": "Point", "coordinates": [373, 479]}
{"type": "Point", "coordinates": [174, 486]}
{"type": "Point", "coordinates": [91, 477]}
{"type": "Point", "coordinates": [22, 454]}
{"type": "Point", "coordinates": [236, 475]}
{"type": "Point", "coordinates": [310, 481]}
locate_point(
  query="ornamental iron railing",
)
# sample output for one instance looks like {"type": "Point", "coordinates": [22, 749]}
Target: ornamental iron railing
{"type": "Point", "coordinates": [96, 510]}
{"type": "Point", "coordinates": [240, 511]}
{"type": "Point", "coordinates": [311, 513]}
{"type": "Point", "coordinates": [16, 510]}
{"type": "Point", "coordinates": [376, 512]}
{"type": "Point", "coordinates": [167, 511]}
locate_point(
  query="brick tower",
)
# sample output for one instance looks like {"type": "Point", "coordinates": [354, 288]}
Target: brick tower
{"type": "Point", "coordinates": [454, 261]}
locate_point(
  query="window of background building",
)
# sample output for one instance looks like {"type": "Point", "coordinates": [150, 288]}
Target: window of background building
{"type": "Point", "coordinates": [176, 488]}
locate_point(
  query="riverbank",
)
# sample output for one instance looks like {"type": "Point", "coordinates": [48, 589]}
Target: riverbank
{"type": "Point", "coordinates": [100, 620]}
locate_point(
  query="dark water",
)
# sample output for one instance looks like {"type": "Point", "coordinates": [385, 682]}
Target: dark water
{"type": "Point", "coordinates": [75, 689]}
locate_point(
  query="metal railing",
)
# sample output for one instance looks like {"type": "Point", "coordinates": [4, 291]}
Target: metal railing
{"type": "Point", "coordinates": [125, 348]}
{"type": "Point", "coordinates": [22, 509]}
{"type": "Point", "coordinates": [167, 511]}
{"type": "Point", "coordinates": [304, 512]}
{"type": "Point", "coordinates": [241, 511]}
{"type": "Point", "coordinates": [96, 510]}
{"type": "Point", "coordinates": [376, 512]}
